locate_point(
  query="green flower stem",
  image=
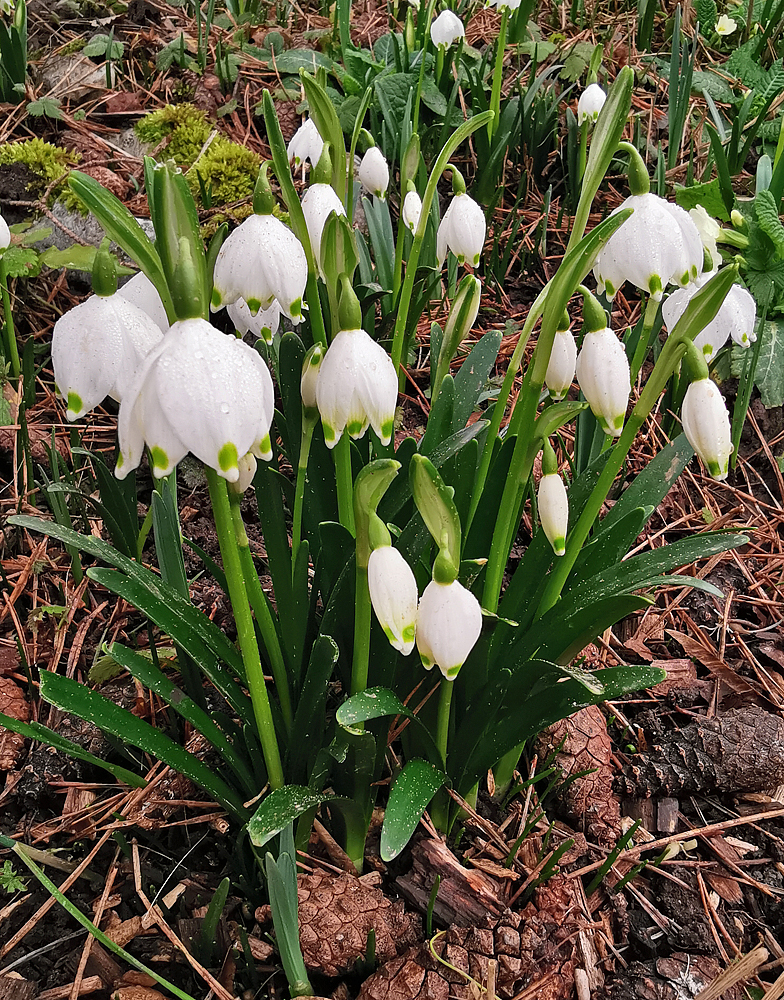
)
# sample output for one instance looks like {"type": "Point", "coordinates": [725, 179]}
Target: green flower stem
{"type": "Point", "coordinates": [12, 351]}
{"type": "Point", "coordinates": [314, 308]}
{"type": "Point", "coordinates": [457, 137]}
{"type": "Point", "coordinates": [345, 482]}
{"type": "Point", "coordinates": [439, 811]}
{"type": "Point", "coordinates": [504, 770]}
{"type": "Point", "coordinates": [583, 154]}
{"type": "Point", "coordinates": [245, 632]}
{"type": "Point", "coordinates": [428, 19]}
{"type": "Point", "coordinates": [498, 75]}
{"type": "Point", "coordinates": [402, 229]}
{"type": "Point", "coordinates": [669, 359]}
{"type": "Point", "coordinates": [651, 311]}
{"type": "Point", "coordinates": [264, 619]}
{"type": "Point", "coordinates": [299, 491]}
{"type": "Point", "coordinates": [361, 658]}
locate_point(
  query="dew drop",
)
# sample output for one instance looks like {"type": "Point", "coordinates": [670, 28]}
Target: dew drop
{"type": "Point", "coordinates": [224, 407]}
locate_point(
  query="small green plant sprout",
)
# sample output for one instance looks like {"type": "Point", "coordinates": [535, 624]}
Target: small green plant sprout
{"type": "Point", "coordinates": [10, 881]}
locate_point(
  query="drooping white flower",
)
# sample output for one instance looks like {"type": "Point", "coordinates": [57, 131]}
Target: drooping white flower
{"type": "Point", "coordinates": [656, 245]}
{"type": "Point", "coordinates": [247, 465]}
{"type": "Point", "coordinates": [262, 260]}
{"type": "Point", "coordinates": [318, 203]}
{"type": "Point", "coordinates": [306, 144]}
{"type": "Point", "coordinates": [553, 511]}
{"type": "Point", "coordinates": [311, 367]}
{"type": "Point", "coordinates": [412, 209]}
{"type": "Point", "coordinates": [446, 29]}
{"type": "Point", "coordinates": [590, 103]}
{"type": "Point", "coordinates": [709, 231]}
{"type": "Point", "coordinates": [706, 424]}
{"type": "Point", "coordinates": [357, 386]}
{"type": "Point", "coordinates": [198, 391]}
{"type": "Point", "coordinates": [449, 622]}
{"type": "Point", "coordinates": [562, 364]}
{"type": "Point", "coordinates": [374, 172]}
{"type": "Point", "coordinates": [501, 4]}
{"type": "Point", "coordinates": [393, 594]}
{"type": "Point", "coordinates": [462, 230]}
{"type": "Point", "coordinates": [97, 349]}
{"type": "Point", "coordinates": [726, 25]}
{"type": "Point", "coordinates": [142, 293]}
{"type": "Point", "coordinates": [5, 234]}
{"type": "Point", "coordinates": [605, 379]}
{"type": "Point", "coordinates": [735, 318]}
{"type": "Point", "coordinates": [264, 324]}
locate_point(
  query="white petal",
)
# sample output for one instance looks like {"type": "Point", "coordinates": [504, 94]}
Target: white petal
{"type": "Point", "coordinates": [562, 364]}
{"type": "Point", "coordinates": [706, 424]}
{"type": "Point", "coordinates": [554, 511]}
{"type": "Point", "coordinates": [5, 234]}
{"type": "Point", "coordinates": [306, 144]}
{"type": "Point", "coordinates": [393, 594]}
{"type": "Point", "coordinates": [374, 172]}
{"type": "Point", "coordinates": [449, 622]}
{"type": "Point", "coordinates": [604, 377]}
{"type": "Point", "coordinates": [97, 348]}
{"type": "Point", "coordinates": [446, 29]}
{"type": "Point", "coordinates": [318, 203]}
{"type": "Point", "coordinates": [464, 229]}
{"type": "Point", "coordinates": [264, 324]}
{"type": "Point", "coordinates": [143, 294]}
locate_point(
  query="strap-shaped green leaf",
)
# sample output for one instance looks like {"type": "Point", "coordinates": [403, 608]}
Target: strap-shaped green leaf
{"type": "Point", "coordinates": [378, 703]}
{"type": "Point", "coordinates": [120, 226]}
{"type": "Point", "coordinates": [280, 808]}
{"type": "Point", "coordinates": [35, 731]}
{"type": "Point", "coordinates": [71, 696]}
{"type": "Point", "coordinates": [145, 671]}
{"type": "Point", "coordinates": [309, 718]}
{"type": "Point", "coordinates": [411, 793]}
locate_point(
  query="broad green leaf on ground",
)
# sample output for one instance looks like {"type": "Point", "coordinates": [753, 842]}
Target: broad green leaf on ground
{"type": "Point", "coordinates": [768, 218]}
{"type": "Point", "coordinates": [746, 67]}
{"type": "Point", "coordinates": [708, 195]}
{"type": "Point", "coordinates": [769, 376]}
{"type": "Point", "coordinates": [21, 263]}
{"type": "Point", "coordinates": [411, 793]}
{"type": "Point", "coordinates": [716, 86]}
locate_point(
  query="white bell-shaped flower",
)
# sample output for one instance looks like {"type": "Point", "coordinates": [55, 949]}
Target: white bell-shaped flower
{"type": "Point", "coordinates": [412, 209]}
{"type": "Point", "coordinates": [142, 293]}
{"type": "Point", "coordinates": [262, 260]}
{"type": "Point", "coordinates": [374, 172]}
{"type": "Point", "coordinates": [562, 364]}
{"type": "Point", "coordinates": [97, 349]}
{"type": "Point", "coordinates": [5, 234]}
{"type": "Point", "coordinates": [604, 376]}
{"type": "Point", "coordinates": [306, 144]}
{"type": "Point", "coordinates": [590, 103]}
{"type": "Point", "coordinates": [199, 391]}
{"type": "Point", "coordinates": [553, 511]}
{"type": "Point", "coordinates": [393, 594]}
{"type": "Point", "coordinates": [318, 203]}
{"type": "Point", "coordinates": [657, 245]}
{"type": "Point", "coordinates": [709, 231]}
{"type": "Point", "coordinates": [735, 318]}
{"type": "Point", "coordinates": [462, 230]}
{"type": "Point", "coordinates": [504, 4]}
{"type": "Point", "coordinates": [449, 622]}
{"type": "Point", "coordinates": [446, 29]}
{"type": "Point", "coordinates": [264, 324]}
{"type": "Point", "coordinates": [357, 386]}
{"type": "Point", "coordinates": [706, 424]}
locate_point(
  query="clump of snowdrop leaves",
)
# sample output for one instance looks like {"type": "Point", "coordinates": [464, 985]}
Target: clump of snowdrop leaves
{"type": "Point", "coordinates": [198, 391]}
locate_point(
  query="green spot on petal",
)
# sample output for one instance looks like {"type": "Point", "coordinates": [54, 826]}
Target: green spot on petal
{"type": "Point", "coordinates": [655, 284]}
{"type": "Point", "coordinates": [75, 404]}
{"type": "Point", "coordinates": [227, 457]}
{"type": "Point", "coordinates": [254, 305]}
{"type": "Point", "coordinates": [356, 428]}
{"type": "Point", "coordinates": [707, 350]}
{"type": "Point", "coordinates": [330, 437]}
{"type": "Point", "coordinates": [295, 309]}
{"type": "Point", "coordinates": [559, 545]}
{"type": "Point", "coordinates": [685, 278]}
{"type": "Point", "coordinates": [160, 461]}
{"type": "Point", "coordinates": [215, 299]}
{"type": "Point", "coordinates": [409, 633]}
{"type": "Point", "coordinates": [610, 289]}
{"type": "Point", "coordinates": [452, 672]}
{"type": "Point", "coordinates": [265, 448]}
{"type": "Point", "coordinates": [386, 431]}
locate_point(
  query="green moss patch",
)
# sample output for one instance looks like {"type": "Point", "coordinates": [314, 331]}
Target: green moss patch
{"type": "Point", "coordinates": [47, 162]}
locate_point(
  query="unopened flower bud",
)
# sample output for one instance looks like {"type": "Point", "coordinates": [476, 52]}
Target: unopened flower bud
{"type": "Point", "coordinates": [553, 511]}
{"type": "Point", "coordinates": [393, 594]}
{"type": "Point", "coordinates": [591, 103]}
{"type": "Point", "coordinates": [605, 379]}
{"type": "Point", "coordinates": [706, 424]}
{"type": "Point", "coordinates": [412, 209]}
{"type": "Point", "coordinates": [374, 172]}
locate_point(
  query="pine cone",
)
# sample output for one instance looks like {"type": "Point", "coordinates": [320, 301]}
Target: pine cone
{"type": "Point", "coordinates": [336, 912]}
{"type": "Point", "coordinates": [537, 946]}
{"type": "Point", "coordinates": [742, 750]}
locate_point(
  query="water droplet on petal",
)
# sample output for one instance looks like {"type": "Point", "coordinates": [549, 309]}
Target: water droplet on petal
{"type": "Point", "coordinates": [224, 407]}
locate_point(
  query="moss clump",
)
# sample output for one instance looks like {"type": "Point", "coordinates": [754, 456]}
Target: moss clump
{"type": "Point", "coordinates": [185, 127]}
{"type": "Point", "coordinates": [228, 173]}
{"type": "Point", "coordinates": [48, 163]}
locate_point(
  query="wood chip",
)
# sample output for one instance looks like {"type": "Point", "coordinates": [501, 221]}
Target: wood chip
{"type": "Point", "coordinates": [13, 702]}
